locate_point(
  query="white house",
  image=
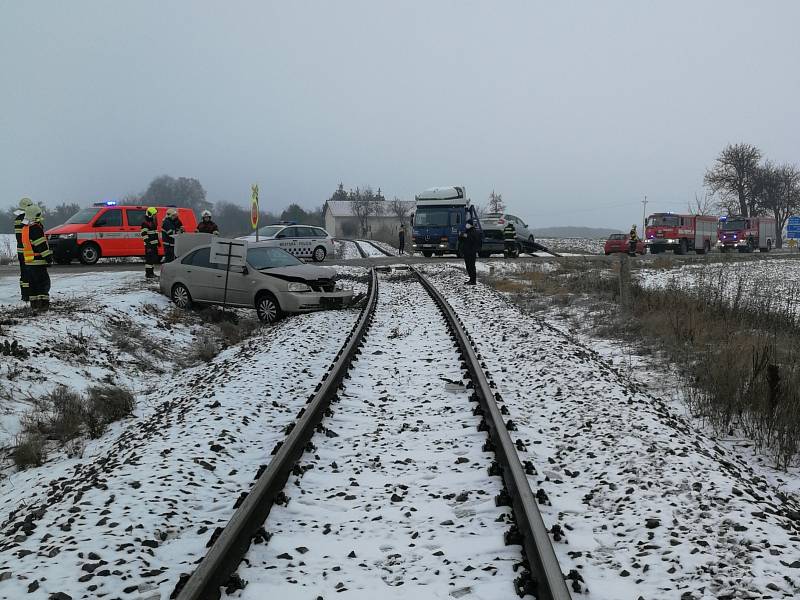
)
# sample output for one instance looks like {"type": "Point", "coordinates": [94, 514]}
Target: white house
{"type": "Point", "coordinates": [341, 221]}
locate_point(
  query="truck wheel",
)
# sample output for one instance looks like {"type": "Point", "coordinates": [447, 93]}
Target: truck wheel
{"type": "Point", "coordinates": [427, 253]}
{"type": "Point", "coordinates": [319, 254]}
{"type": "Point", "coordinates": [89, 254]}
{"type": "Point", "coordinates": [768, 248]}
{"type": "Point", "coordinates": [682, 247]}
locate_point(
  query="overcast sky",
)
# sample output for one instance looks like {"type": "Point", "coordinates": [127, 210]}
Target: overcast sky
{"type": "Point", "coordinates": [574, 111]}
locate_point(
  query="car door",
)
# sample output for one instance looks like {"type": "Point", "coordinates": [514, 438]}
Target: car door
{"type": "Point", "coordinates": [134, 246]}
{"type": "Point", "coordinates": [288, 240]}
{"type": "Point", "coordinates": [308, 240]}
{"type": "Point", "coordinates": [107, 231]}
{"type": "Point", "coordinates": [202, 278]}
{"type": "Point", "coordinates": [524, 231]}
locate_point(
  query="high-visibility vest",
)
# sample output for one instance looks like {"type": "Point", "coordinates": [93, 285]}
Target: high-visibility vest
{"type": "Point", "coordinates": [34, 251]}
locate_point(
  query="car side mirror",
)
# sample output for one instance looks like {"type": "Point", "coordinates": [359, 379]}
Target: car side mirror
{"type": "Point", "coordinates": [280, 235]}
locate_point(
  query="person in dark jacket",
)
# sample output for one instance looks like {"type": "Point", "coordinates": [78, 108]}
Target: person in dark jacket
{"type": "Point", "coordinates": [19, 223]}
{"type": "Point", "coordinates": [149, 233]}
{"type": "Point", "coordinates": [470, 244]}
{"type": "Point", "coordinates": [401, 239]}
{"type": "Point", "coordinates": [38, 257]}
{"type": "Point", "coordinates": [207, 225]}
{"type": "Point", "coordinates": [170, 227]}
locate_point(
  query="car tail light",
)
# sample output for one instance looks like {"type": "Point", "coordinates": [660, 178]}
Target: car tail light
{"type": "Point", "coordinates": [501, 221]}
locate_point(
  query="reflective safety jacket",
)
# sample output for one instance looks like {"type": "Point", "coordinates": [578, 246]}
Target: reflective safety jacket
{"type": "Point", "coordinates": [633, 237]}
{"type": "Point", "coordinates": [509, 232]}
{"type": "Point", "coordinates": [19, 217]}
{"type": "Point", "coordinates": [149, 231]}
{"type": "Point", "coordinates": [169, 227]}
{"type": "Point", "coordinates": [34, 246]}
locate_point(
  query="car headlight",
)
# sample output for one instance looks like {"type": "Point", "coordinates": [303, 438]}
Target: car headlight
{"type": "Point", "coordinates": [68, 236]}
{"type": "Point", "coordinates": [299, 287]}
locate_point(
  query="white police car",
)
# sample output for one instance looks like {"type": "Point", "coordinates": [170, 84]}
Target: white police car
{"type": "Point", "coordinates": [302, 241]}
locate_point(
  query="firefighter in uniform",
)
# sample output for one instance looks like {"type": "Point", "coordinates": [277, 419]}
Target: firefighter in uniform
{"type": "Point", "coordinates": [149, 234]}
{"type": "Point", "coordinates": [19, 223]}
{"type": "Point", "coordinates": [510, 239]}
{"type": "Point", "coordinates": [38, 256]}
{"type": "Point", "coordinates": [169, 228]}
{"type": "Point", "coordinates": [633, 239]}
{"type": "Point", "coordinates": [207, 225]}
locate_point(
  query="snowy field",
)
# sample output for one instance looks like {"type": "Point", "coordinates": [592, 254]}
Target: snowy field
{"type": "Point", "coordinates": [136, 508]}
{"type": "Point", "coordinates": [577, 246]}
{"type": "Point", "coordinates": [774, 284]}
{"type": "Point", "coordinates": [649, 506]}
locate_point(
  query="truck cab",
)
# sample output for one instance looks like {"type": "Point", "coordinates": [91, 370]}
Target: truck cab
{"type": "Point", "coordinates": [746, 233]}
{"type": "Point", "coordinates": [440, 216]}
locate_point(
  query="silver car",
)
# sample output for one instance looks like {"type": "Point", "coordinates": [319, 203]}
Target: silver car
{"type": "Point", "coordinates": [302, 241]}
{"type": "Point", "coordinates": [273, 282]}
{"type": "Point", "coordinates": [493, 225]}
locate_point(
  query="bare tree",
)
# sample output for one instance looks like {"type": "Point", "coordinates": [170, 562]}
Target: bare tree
{"type": "Point", "coordinates": [732, 178]}
{"type": "Point", "coordinates": [365, 205]}
{"type": "Point", "coordinates": [702, 205]}
{"type": "Point", "coordinates": [496, 204]}
{"type": "Point", "coordinates": [777, 190]}
{"type": "Point", "coordinates": [399, 209]}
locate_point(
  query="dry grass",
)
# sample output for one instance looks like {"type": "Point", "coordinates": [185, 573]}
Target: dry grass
{"type": "Point", "coordinates": [737, 353]}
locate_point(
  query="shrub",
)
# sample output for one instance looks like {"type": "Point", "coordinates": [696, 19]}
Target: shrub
{"type": "Point", "coordinates": [106, 404]}
{"type": "Point", "coordinates": [29, 451]}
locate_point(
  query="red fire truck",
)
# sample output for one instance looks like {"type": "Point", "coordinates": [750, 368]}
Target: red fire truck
{"type": "Point", "coordinates": [680, 233]}
{"type": "Point", "coordinates": [746, 233]}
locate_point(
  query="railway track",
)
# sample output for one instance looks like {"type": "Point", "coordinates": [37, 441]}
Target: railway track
{"type": "Point", "coordinates": [364, 247]}
{"type": "Point", "coordinates": [393, 488]}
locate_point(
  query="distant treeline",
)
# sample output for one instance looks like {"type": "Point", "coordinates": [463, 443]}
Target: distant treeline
{"type": "Point", "coordinates": [187, 192]}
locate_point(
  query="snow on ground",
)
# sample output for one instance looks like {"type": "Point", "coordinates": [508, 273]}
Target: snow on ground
{"type": "Point", "coordinates": [136, 511]}
{"type": "Point", "coordinates": [576, 246]}
{"type": "Point", "coordinates": [369, 249]}
{"type": "Point", "coordinates": [774, 281]}
{"type": "Point", "coordinates": [346, 250]}
{"type": "Point", "coordinates": [396, 501]}
{"type": "Point", "coordinates": [650, 506]}
{"type": "Point", "coordinates": [388, 247]}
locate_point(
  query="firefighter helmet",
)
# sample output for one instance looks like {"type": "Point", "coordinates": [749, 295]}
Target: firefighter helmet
{"type": "Point", "coordinates": [171, 212]}
{"type": "Point", "coordinates": [206, 213]}
{"type": "Point", "coordinates": [33, 214]}
{"type": "Point", "coordinates": [25, 203]}
{"type": "Point", "coordinates": [151, 212]}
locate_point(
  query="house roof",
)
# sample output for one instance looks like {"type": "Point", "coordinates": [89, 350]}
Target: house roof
{"type": "Point", "coordinates": [344, 208]}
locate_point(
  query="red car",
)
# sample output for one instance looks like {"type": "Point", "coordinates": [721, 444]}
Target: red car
{"type": "Point", "coordinates": [618, 242]}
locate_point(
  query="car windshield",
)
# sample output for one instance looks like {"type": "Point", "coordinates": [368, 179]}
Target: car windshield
{"type": "Point", "coordinates": [432, 217]}
{"type": "Point", "coordinates": [270, 258]}
{"type": "Point", "coordinates": [733, 224]}
{"type": "Point", "coordinates": [270, 230]}
{"type": "Point", "coordinates": [662, 221]}
{"type": "Point", "coordinates": [83, 216]}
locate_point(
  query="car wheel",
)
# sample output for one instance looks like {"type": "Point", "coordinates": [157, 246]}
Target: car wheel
{"type": "Point", "coordinates": [319, 254]}
{"type": "Point", "coordinates": [427, 254]}
{"type": "Point", "coordinates": [90, 253]}
{"type": "Point", "coordinates": [181, 297]}
{"type": "Point", "coordinates": [267, 308]}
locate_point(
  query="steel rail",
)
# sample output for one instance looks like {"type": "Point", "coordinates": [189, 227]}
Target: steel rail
{"type": "Point", "coordinates": [547, 577]}
{"type": "Point", "coordinates": [358, 247]}
{"type": "Point", "coordinates": [228, 550]}
{"type": "Point", "coordinates": [379, 249]}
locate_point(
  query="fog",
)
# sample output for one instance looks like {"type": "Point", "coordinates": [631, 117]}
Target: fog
{"type": "Point", "coordinates": [573, 111]}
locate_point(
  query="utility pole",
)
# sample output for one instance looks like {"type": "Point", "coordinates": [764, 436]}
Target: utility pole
{"type": "Point", "coordinates": [644, 213]}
